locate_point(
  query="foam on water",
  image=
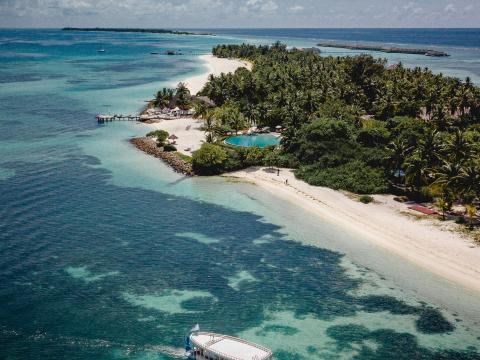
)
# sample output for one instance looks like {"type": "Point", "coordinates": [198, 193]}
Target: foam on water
{"type": "Point", "coordinates": [170, 301]}
{"type": "Point", "coordinates": [86, 275]}
{"type": "Point", "coordinates": [6, 173]}
{"type": "Point", "coordinates": [198, 237]}
{"type": "Point", "coordinates": [239, 279]}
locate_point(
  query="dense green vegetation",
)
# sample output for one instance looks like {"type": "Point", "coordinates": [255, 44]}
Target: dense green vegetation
{"type": "Point", "coordinates": [169, 147]}
{"type": "Point", "coordinates": [220, 121]}
{"type": "Point", "coordinates": [217, 158]}
{"type": "Point", "coordinates": [353, 123]}
{"type": "Point", "coordinates": [170, 98]}
{"type": "Point", "coordinates": [366, 199]}
{"type": "Point", "coordinates": [209, 159]}
{"type": "Point", "coordinates": [160, 135]}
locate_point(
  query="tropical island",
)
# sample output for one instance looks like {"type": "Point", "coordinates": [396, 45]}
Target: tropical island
{"type": "Point", "coordinates": [136, 30]}
{"type": "Point", "coordinates": [353, 131]}
{"type": "Point", "coordinates": [351, 123]}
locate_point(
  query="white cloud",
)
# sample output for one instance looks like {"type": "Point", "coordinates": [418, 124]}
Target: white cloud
{"type": "Point", "coordinates": [412, 8]}
{"type": "Point", "coordinates": [417, 11]}
{"type": "Point", "coordinates": [450, 8]}
{"type": "Point", "coordinates": [408, 6]}
{"type": "Point", "coordinates": [296, 8]}
{"type": "Point", "coordinates": [262, 5]}
{"type": "Point", "coordinates": [239, 13]}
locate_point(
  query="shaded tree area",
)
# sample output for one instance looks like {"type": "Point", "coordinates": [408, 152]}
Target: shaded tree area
{"type": "Point", "coordinates": [170, 98]}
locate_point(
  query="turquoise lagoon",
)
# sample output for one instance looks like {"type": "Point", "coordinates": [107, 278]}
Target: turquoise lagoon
{"type": "Point", "coordinates": [108, 254]}
{"type": "Point", "coordinates": [260, 140]}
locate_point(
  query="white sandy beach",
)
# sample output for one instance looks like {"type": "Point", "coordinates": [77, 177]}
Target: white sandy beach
{"type": "Point", "coordinates": [215, 66]}
{"type": "Point", "coordinates": [385, 222]}
{"type": "Point", "coordinates": [190, 136]}
{"type": "Point", "coordinates": [427, 243]}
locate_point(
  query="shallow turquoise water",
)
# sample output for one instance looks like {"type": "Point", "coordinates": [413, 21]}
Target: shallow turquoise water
{"type": "Point", "coordinates": [261, 140]}
{"type": "Point", "coordinates": [108, 254]}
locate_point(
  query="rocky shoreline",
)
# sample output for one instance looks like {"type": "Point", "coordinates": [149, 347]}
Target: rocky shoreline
{"type": "Point", "coordinates": [172, 159]}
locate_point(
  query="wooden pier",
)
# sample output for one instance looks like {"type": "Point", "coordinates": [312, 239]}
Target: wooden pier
{"type": "Point", "coordinates": [117, 117]}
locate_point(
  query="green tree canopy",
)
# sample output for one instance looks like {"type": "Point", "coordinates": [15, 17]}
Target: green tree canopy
{"type": "Point", "coordinates": [209, 159]}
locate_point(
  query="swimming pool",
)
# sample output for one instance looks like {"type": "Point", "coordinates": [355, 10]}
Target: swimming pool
{"type": "Point", "coordinates": [261, 140]}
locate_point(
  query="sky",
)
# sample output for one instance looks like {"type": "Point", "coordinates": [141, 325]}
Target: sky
{"type": "Point", "coordinates": [239, 13]}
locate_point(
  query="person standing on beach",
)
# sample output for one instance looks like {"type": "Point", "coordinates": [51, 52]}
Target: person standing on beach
{"type": "Point", "coordinates": [278, 172]}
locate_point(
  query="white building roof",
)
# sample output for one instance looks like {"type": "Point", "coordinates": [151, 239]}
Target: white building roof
{"type": "Point", "coordinates": [228, 347]}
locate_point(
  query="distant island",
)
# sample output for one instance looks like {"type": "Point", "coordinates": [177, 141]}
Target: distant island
{"type": "Point", "coordinates": [426, 52]}
{"type": "Point", "coordinates": [136, 30]}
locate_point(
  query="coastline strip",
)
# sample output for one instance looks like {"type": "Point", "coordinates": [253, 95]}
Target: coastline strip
{"type": "Point", "coordinates": [136, 30]}
{"type": "Point", "coordinates": [440, 251]}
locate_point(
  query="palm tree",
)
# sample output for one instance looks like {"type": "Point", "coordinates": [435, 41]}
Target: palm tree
{"type": "Point", "coordinates": [230, 116]}
{"type": "Point", "coordinates": [237, 121]}
{"type": "Point", "coordinates": [464, 97]}
{"type": "Point", "coordinates": [200, 110]}
{"type": "Point", "coordinates": [182, 96]}
{"type": "Point", "coordinates": [430, 147]}
{"type": "Point", "coordinates": [209, 126]}
{"type": "Point", "coordinates": [447, 177]}
{"type": "Point", "coordinates": [470, 212]}
{"type": "Point", "coordinates": [182, 89]}
{"type": "Point", "coordinates": [398, 150]}
{"type": "Point", "coordinates": [163, 98]}
{"type": "Point", "coordinates": [415, 171]}
{"type": "Point", "coordinates": [439, 117]}
{"type": "Point", "coordinates": [444, 205]}
{"type": "Point", "coordinates": [458, 147]}
{"type": "Point", "coordinates": [469, 178]}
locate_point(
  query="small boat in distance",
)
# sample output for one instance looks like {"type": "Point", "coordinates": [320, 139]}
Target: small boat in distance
{"type": "Point", "coordinates": [154, 53]}
{"type": "Point", "coordinates": [210, 346]}
{"type": "Point", "coordinates": [101, 50]}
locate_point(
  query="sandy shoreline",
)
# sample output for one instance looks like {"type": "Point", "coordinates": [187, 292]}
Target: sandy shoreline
{"type": "Point", "coordinates": [188, 130]}
{"type": "Point", "coordinates": [215, 66]}
{"type": "Point", "coordinates": [422, 242]}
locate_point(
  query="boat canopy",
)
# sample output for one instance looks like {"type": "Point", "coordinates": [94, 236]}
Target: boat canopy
{"type": "Point", "coordinates": [225, 347]}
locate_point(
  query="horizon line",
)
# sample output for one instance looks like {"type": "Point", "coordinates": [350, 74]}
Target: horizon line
{"type": "Point", "coordinates": [242, 28]}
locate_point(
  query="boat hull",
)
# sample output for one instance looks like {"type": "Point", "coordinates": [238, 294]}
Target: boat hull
{"type": "Point", "coordinates": [211, 346]}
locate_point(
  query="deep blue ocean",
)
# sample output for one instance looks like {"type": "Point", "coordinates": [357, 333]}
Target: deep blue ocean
{"type": "Point", "coordinates": [105, 253]}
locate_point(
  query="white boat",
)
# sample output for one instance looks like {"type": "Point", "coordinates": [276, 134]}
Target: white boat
{"type": "Point", "coordinates": [201, 345]}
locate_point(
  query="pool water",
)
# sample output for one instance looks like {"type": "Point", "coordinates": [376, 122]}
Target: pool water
{"type": "Point", "coordinates": [261, 141]}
